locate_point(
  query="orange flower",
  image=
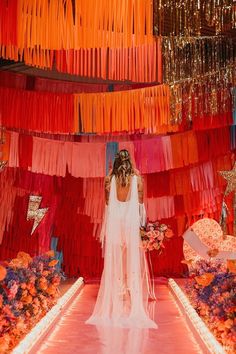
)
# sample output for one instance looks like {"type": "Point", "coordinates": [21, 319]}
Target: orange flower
{"type": "Point", "coordinates": [28, 314]}
{"type": "Point", "coordinates": [24, 293]}
{"type": "Point", "coordinates": [221, 327]}
{"type": "Point", "coordinates": [35, 309]}
{"type": "Point", "coordinates": [4, 344]}
{"type": "Point", "coordinates": [43, 284]}
{"type": "Point", "coordinates": [53, 263]}
{"type": "Point", "coordinates": [56, 280]}
{"type": "Point", "coordinates": [3, 273]}
{"type": "Point", "coordinates": [32, 291]}
{"type": "Point", "coordinates": [27, 299]}
{"type": "Point", "coordinates": [21, 326]}
{"type": "Point", "coordinates": [19, 263]}
{"type": "Point", "coordinates": [36, 301]}
{"type": "Point", "coordinates": [204, 279]}
{"type": "Point", "coordinates": [50, 253]}
{"type": "Point", "coordinates": [231, 265]}
{"type": "Point", "coordinates": [169, 233]}
{"type": "Point", "coordinates": [187, 261]}
{"type": "Point", "coordinates": [229, 323]}
{"type": "Point", "coordinates": [25, 256]}
{"type": "Point", "coordinates": [51, 290]}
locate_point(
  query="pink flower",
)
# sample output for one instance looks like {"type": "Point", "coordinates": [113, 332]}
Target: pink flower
{"type": "Point", "coordinates": [156, 246]}
{"type": "Point", "coordinates": [163, 227]}
{"type": "Point", "coordinates": [150, 227]}
{"type": "Point", "coordinates": [13, 291]}
{"type": "Point", "coordinates": [160, 236]}
{"type": "Point", "coordinates": [151, 235]}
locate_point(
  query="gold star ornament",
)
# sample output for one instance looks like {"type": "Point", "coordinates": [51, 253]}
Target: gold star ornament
{"type": "Point", "coordinates": [230, 177]}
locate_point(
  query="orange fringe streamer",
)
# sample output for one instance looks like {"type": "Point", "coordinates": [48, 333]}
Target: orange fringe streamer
{"type": "Point", "coordinates": [94, 38]}
{"type": "Point", "coordinates": [67, 24]}
{"type": "Point", "coordinates": [35, 57]}
{"type": "Point", "coordinates": [146, 110]}
{"type": "Point", "coordinates": [136, 64]}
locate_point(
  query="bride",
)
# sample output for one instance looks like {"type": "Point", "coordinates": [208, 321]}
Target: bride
{"type": "Point", "coordinates": [125, 285]}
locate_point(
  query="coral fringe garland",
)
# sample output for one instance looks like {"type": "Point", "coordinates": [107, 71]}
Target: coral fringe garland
{"type": "Point", "coordinates": [141, 63]}
{"type": "Point", "coordinates": [145, 109]}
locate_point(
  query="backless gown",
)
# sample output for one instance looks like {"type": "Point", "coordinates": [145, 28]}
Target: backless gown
{"type": "Point", "coordinates": [122, 299]}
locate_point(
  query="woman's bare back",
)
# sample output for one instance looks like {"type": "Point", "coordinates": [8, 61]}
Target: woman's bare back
{"type": "Point", "coordinates": [123, 193]}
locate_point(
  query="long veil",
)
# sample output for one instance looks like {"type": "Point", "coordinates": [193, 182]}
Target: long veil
{"type": "Point", "coordinates": [124, 289]}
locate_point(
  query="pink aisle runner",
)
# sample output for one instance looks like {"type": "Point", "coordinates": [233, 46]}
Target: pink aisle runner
{"type": "Point", "coordinates": [72, 335]}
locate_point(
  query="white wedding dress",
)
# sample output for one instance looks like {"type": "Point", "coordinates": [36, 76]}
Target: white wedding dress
{"type": "Point", "coordinates": [122, 299]}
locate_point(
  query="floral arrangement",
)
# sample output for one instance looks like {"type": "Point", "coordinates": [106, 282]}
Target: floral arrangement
{"type": "Point", "coordinates": [154, 235]}
{"type": "Point", "coordinates": [211, 290]}
{"type": "Point", "coordinates": [28, 289]}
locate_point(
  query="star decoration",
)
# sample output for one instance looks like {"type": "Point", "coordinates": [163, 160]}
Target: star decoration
{"type": "Point", "coordinates": [34, 213]}
{"type": "Point", "coordinates": [230, 176]}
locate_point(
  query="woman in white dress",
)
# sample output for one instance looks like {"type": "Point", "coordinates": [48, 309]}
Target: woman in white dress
{"type": "Point", "coordinates": [125, 285]}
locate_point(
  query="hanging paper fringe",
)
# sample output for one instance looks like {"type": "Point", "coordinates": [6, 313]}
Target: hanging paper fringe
{"type": "Point", "coordinates": [8, 22]}
{"type": "Point", "coordinates": [37, 111]}
{"type": "Point", "coordinates": [87, 38]}
{"type": "Point", "coordinates": [92, 159]}
{"type": "Point", "coordinates": [138, 63]}
{"type": "Point", "coordinates": [145, 110]}
{"type": "Point", "coordinates": [68, 24]}
{"type": "Point", "coordinates": [141, 63]}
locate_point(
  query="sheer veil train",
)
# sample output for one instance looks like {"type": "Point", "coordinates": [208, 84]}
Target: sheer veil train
{"type": "Point", "coordinates": [122, 299]}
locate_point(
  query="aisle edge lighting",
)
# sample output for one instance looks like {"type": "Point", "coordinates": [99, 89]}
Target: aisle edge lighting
{"type": "Point", "coordinates": [42, 326]}
{"type": "Point", "coordinates": [207, 337]}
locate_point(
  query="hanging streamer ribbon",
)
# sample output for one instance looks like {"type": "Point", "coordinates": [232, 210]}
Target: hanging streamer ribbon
{"type": "Point", "coordinates": [111, 150]}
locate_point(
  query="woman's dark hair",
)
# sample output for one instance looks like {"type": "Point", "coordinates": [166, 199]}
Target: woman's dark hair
{"type": "Point", "coordinates": [122, 167]}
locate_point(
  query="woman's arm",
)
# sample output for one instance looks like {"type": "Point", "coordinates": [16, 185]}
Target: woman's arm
{"type": "Point", "coordinates": [107, 188]}
{"type": "Point", "coordinates": [142, 210]}
{"type": "Point", "coordinates": [140, 189]}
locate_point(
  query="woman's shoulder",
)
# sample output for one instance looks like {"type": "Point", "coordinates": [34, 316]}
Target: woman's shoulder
{"type": "Point", "coordinates": [137, 173]}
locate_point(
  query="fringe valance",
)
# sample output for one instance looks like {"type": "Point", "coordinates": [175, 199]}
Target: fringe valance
{"type": "Point", "coordinates": [68, 24]}
{"type": "Point", "coordinates": [141, 63]}
{"type": "Point", "coordinates": [91, 159]}
{"type": "Point", "coordinates": [88, 38]}
{"type": "Point", "coordinates": [37, 111]}
{"type": "Point", "coordinates": [144, 110]}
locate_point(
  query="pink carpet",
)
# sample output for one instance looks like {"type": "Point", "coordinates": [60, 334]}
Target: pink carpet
{"type": "Point", "coordinates": [71, 335]}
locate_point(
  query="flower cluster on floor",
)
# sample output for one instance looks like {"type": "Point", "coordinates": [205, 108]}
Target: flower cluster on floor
{"type": "Point", "coordinates": [28, 289]}
{"type": "Point", "coordinates": [211, 290]}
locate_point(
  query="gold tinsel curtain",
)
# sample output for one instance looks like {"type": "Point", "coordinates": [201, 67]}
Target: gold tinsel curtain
{"type": "Point", "coordinates": [193, 17]}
